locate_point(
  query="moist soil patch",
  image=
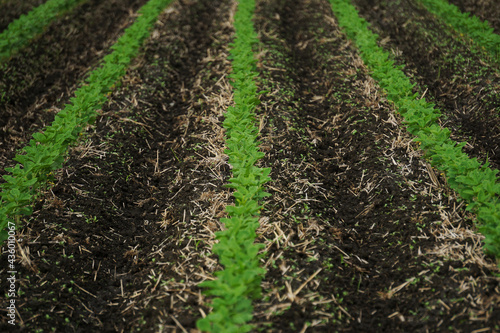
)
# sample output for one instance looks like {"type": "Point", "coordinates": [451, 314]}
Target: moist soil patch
{"type": "Point", "coordinates": [37, 82]}
{"type": "Point", "coordinates": [117, 228]}
{"type": "Point", "coordinates": [486, 10]}
{"type": "Point", "coordinates": [361, 234]}
{"type": "Point", "coordinates": [450, 72]}
{"type": "Point", "coordinates": [12, 10]}
{"type": "Point", "coordinates": [353, 232]}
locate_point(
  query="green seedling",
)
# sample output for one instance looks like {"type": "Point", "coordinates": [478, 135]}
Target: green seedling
{"type": "Point", "coordinates": [25, 28]}
{"type": "Point", "coordinates": [475, 183]}
{"type": "Point", "coordinates": [239, 282]}
{"type": "Point", "coordinates": [46, 151]}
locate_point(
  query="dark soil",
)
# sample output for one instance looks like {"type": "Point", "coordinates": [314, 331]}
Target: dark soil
{"type": "Point", "coordinates": [361, 234]}
{"type": "Point", "coordinates": [12, 9]}
{"type": "Point", "coordinates": [124, 213]}
{"type": "Point", "coordinates": [486, 10]}
{"type": "Point", "coordinates": [451, 72]}
{"type": "Point", "coordinates": [353, 224]}
{"type": "Point", "coordinates": [38, 82]}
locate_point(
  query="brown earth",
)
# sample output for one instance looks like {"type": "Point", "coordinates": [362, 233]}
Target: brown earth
{"type": "Point", "coordinates": [351, 196]}
{"type": "Point", "coordinates": [12, 9]}
{"type": "Point", "coordinates": [134, 200]}
{"type": "Point", "coordinates": [361, 234]}
{"type": "Point", "coordinates": [486, 10]}
{"type": "Point", "coordinates": [36, 83]}
{"type": "Point", "coordinates": [450, 71]}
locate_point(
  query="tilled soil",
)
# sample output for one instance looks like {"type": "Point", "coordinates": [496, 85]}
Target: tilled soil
{"type": "Point", "coordinates": [12, 9]}
{"type": "Point", "coordinates": [38, 82]}
{"type": "Point", "coordinates": [354, 227]}
{"type": "Point", "coordinates": [133, 201]}
{"type": "Point", "coordinates": [361, 234]}
{"type": "Point", "coordinates": [450, 71]}
{"type": "Point", "coordinates": [486, 10]}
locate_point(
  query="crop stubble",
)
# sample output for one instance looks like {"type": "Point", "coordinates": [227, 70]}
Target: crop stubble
{"type": "Point", "coordinates": [12, 9]}
{"type": "Point", "coordinates": [361, 233]}
{"type": "Point", "coordinates": [372, 203]}
{"type": "Point", "coordinates": [484, 9]}
{"type": "Point", "coordinates": [450, 71]}
{"type": "Point", "coordinates": [139, 200]}
{"type": "Point", "coordinates": [36, 83]}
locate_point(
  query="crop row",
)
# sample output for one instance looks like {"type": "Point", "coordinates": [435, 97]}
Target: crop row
{"type": "Point", "coordinates": [473, 181]}
{"type": "Point", "coordinates": [479, 31]}
{"type": "Point", "coordinates": [46, 151]}
{"type": "Point", "coordinates": [239, 282]}
{"type": "Point", "coordinates": [22, 30]}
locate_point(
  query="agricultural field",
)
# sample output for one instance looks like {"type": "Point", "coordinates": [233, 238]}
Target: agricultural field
{"type": "Point", "coordinates": [250, 166]}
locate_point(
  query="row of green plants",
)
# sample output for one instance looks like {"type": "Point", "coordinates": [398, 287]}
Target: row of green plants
{"type": "Point", "coordinates": [47, 149]}
{"type": "Point", "coordinates": [479, 31]}
{"type": "Point", "coordinates": [19, 32]}
{"type": "Point", "coordinates": [473, 181]}
{"type": "Point", "coordinates": [239, 282]}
